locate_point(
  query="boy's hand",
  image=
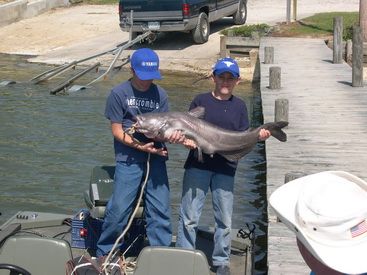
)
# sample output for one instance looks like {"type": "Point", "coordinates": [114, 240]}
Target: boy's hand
{"type": "Point", "coordinates": [264, 134]}
{"type": "Point", "coordinates": [149, 148]}
{"type": "Point", "coordinates": [179, 138]}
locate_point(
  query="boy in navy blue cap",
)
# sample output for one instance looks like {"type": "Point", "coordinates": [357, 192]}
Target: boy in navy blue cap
{"type": "Point", "coordinates": [225, 110]}
{"type": "Point", "coordinates": [137, 95]}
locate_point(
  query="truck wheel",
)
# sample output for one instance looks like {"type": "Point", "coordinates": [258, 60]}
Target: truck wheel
{"type": "Point", "coordinates": [200, 34]}
{"type": "Point", "coordinates": [239, 18]}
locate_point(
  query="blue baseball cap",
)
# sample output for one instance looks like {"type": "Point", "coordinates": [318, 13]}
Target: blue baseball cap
{"type": "Point", "coordinates": [145, 63]}
{"type": "Point", "coordinates": [226, 65]}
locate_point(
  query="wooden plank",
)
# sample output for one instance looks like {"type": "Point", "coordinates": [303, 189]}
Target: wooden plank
{"type": "Point", "coordinates": [243, 41]}
{"type": "Point", "coordinates": [243, 49]}
{"type": "Point", "coordinates": [357, 57]}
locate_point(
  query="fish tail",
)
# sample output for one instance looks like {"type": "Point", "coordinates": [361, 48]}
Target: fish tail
{"type": "Point", "coordinates": [275, 128]}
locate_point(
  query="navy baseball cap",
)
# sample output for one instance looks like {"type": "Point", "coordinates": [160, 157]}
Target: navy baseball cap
{"type": "Point", "coordinates": [145, 63]}
{"type": "Point", "coordinates": [226, 65]}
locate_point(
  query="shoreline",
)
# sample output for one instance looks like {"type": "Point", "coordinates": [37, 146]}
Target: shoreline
{"type": "Point", "coordinates": [66, 34]}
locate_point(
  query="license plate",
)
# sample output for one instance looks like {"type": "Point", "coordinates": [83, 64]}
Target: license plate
{"type": "Point", "coordinates": [153, 26]}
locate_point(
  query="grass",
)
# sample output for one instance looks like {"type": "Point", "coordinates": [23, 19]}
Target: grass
{"type": "Point", "coordinates": [248, 30]}
{"type": "Point", "coordinates": [318, 25]}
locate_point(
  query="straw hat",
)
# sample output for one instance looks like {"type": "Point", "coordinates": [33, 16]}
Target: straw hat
{"type": "Point", "coordinates": [328, 213]}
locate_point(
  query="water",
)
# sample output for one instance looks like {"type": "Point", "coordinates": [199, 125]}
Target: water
{"type": "Point", "coordinates": [49, 144]}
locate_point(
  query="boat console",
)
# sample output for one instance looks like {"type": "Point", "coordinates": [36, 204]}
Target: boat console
{"type": "Point", "coordinates": [100, 190]}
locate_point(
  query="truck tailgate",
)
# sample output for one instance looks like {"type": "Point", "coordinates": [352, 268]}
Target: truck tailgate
{"type": "Point", "coordinates": [151, 5]}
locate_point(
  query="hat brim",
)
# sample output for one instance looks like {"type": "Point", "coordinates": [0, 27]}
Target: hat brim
{"type": "Point", "coordinates": [148, 75]}
{"type": "Point", "coordinates": [349, 259]}
{"type": "Point", "coordinates": [224, 70]}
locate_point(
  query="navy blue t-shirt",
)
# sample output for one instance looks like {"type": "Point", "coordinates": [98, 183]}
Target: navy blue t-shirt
{"type": "Point", "coordinates": [229, 114]}
{"type": "Point", "coordinates": [123, 104]}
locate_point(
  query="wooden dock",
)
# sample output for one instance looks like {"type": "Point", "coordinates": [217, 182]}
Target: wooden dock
{"type": "Point", "coordinates": [327, 128]}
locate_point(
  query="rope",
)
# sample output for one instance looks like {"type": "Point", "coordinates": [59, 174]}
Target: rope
{"type": "Point", "coordinates": [248, 233]}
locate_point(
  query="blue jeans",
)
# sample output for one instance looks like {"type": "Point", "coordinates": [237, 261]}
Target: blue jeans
{"type": "Point", "coordinates": [196, 184]}
{"type": "Point", "coordinates": [127, 183]}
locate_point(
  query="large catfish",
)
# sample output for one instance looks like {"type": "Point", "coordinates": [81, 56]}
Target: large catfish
{"type": "Point", "coordinates": [209, 138]}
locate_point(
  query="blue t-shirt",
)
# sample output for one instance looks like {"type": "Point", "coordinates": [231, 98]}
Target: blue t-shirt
{"type": "Point", "coordinates": [229, 114]}
{"type": "Point", "coordinates": [123, 104]}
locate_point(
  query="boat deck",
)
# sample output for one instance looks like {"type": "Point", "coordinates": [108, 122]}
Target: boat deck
{"type": "Point", "coordinates": [58, 226]}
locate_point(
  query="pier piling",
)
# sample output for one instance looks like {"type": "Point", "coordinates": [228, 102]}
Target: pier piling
{"type": "Point", "coordinates": [281, 109]}
{"type": "Point", "coordinates": [274, 78]}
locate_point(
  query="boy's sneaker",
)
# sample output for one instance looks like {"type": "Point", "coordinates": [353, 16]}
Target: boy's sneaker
{"type": "Point", "coordinates": [223, 270]}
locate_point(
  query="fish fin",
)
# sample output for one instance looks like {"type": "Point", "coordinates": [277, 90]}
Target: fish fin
{"type": "Point", "coordinates": [198, 112]}
{"type": "Point", "coordinates": [235, 156]}
{"type": "Point", "coordinates": [275, 129]}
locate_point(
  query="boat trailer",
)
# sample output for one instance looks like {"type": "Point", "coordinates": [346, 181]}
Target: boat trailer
{"type": "Point", "coordinates": [65, 86]}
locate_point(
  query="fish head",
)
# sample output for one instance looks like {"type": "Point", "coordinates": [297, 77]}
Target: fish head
{"type": "Point", "coordinates": [150, 125]}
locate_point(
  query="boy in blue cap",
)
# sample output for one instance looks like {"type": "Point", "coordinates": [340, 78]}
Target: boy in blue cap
{"type": "Point", "coordinates": [137, 95]}
{"type": "Point", "coordinates": [225, 110]}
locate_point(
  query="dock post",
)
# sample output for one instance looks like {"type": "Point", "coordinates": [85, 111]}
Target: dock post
{"type": "Point", "coordinates": [223, 46]}
{"type": "Point", "coordinates": [281, 109]}
{"type": "Point", "coordinates": [357, 56]}
{"type": "Point", "coordinates": [295, 10]}
{"type": "Point", "coordinates": [268, 55]}
{"type": "Point", "coordinates": [274, 78]}
{"type": "Point", "coordinates": [288, 11]}
{"type": "Point", "coordinates": [338, 40]}
{"type": "Point", "coordinates": [363, 18]}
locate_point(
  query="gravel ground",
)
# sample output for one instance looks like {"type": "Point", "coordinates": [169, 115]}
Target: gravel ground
{"type": "Point", "coordinates": [66, 34]}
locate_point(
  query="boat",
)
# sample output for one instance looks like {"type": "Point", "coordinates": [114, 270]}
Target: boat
{"type": "Point", "coordinates": [41, 243]}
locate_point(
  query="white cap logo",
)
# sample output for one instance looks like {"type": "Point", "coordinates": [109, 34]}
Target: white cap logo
{"type": "Point", "coordinates": [149, 63]}
{"type": "Point", "coordinates": [228, 63]}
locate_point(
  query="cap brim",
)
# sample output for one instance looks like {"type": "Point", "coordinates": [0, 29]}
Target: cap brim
{"type": "Point", "coordinates": [349, 259]}
{"type": "Point", "coordinates": [221, 71]}
{"type": "Point", "coordinates": [148, 75]}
